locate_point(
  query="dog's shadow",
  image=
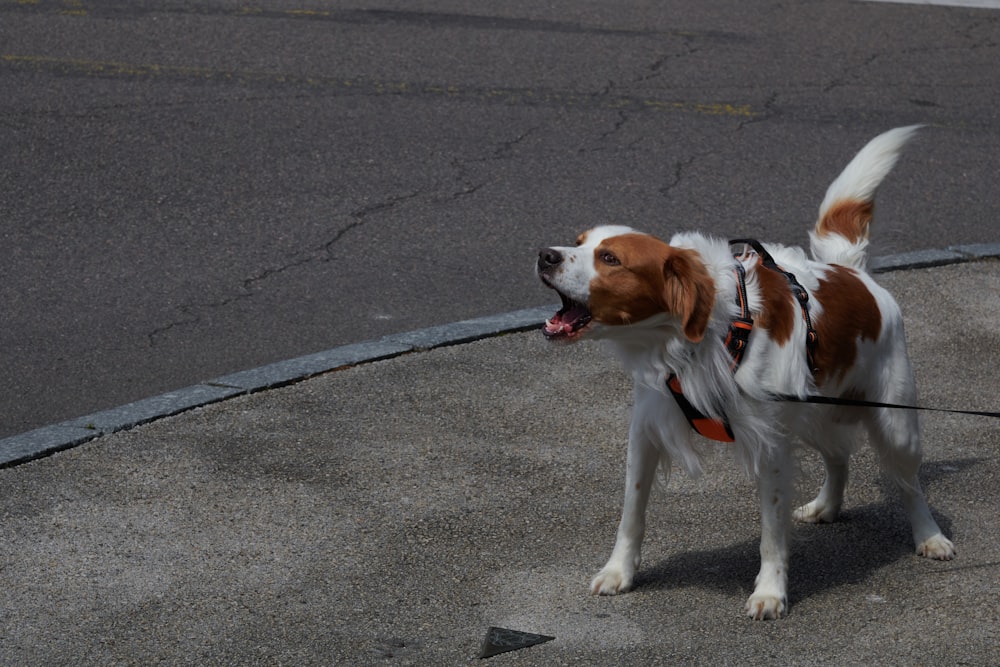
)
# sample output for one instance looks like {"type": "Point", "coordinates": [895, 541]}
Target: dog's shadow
{"type": "Point", "coordinates": [864, 539]}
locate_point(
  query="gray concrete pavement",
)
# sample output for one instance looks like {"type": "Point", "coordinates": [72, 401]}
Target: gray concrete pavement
{"type": "Point", "coordinates": [389, 513]}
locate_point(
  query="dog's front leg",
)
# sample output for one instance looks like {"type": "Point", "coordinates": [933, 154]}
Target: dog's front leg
{"type": "Point", "coordinates": [640, 473]}
{"type": "Point", "coordinates": [770, 597]}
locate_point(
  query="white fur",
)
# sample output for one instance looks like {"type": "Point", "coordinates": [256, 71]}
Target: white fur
{"type": "Point", "coordinates": [859, 180]}
{"type": "Point", "coordinates": [764, 429]}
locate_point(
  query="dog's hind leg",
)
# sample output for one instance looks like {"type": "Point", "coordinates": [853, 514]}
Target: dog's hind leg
{"type": "Point", "coordinates": [835, 446]}
{"type": "Point", "coordinates": [825, 507]}
{"type": "Point", "coordinates": [895, 434]}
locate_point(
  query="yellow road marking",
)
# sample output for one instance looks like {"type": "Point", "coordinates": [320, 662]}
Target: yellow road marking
{"type": "Point", "coordinates": [363, 85]}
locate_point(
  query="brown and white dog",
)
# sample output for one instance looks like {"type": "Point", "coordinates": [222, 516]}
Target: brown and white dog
{"type": "Point", "coordinates": [667, 309]}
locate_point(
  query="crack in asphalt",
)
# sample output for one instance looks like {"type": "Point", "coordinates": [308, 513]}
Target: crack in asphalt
{"type": "Point", "coordinates": [324, 252]}
{"type": "Point", "coordinates": [191, 313]}
{"type": "Point", "coordinates": [623, 118]}
{"type": "Point", "coordinates": [505, 148]}
{"type": "Point", "coordinates": [652, 72]}
{"type": "Point", "coordinates": [769, 111]}
{"type": "Point", "coordinates": [502, 151]}
{"type": "Point", "coordinates": [321, 253]}
{"type": "Point", "coordinates": [679, 166]}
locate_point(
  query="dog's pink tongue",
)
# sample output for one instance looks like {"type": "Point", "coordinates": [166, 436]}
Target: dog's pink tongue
{"type": "Point", "coordinates": [556, 326]}
{"type": "Point", "coordinates": [564, 322]}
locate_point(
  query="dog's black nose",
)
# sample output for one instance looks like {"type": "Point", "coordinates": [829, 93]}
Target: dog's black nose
{"type": "Point", "coordinates": [549, 257]}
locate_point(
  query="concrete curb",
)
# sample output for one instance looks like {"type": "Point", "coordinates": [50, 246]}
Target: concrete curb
{"type": "Point", "coordinates": [934, 257]}
{"type": "Point", "coordinates": [50, 439]}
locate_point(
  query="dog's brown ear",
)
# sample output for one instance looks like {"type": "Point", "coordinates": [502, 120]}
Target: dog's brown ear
{"type": "Point", "coordinates": [688, 291]}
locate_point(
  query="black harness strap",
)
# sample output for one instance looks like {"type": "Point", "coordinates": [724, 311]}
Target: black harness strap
{"type": "Point", "coordinates": [797, 290]}
{"type": "Point", "coordinates": [740, 328]}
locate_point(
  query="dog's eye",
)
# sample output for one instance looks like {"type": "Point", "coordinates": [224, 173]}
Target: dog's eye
{"type": "Point", "coordinates": [609, 258]}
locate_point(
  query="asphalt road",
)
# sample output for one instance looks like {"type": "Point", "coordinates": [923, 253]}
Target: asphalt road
{"type": "Point", "coordinates": [188, 189]}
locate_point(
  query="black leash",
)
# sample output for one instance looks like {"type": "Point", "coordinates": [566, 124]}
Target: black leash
{"type": "Point", "coordinates": [861, 403]}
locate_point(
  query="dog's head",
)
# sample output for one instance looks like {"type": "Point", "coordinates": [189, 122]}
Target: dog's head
{"type": "Point", "coordinates": [616, 277]}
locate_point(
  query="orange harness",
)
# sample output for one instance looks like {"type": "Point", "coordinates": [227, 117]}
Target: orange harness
{"type": "Point", "coordinates": [736, 343]}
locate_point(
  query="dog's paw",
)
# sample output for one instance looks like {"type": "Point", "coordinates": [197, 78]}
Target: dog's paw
{"type": "Point", "coordinates": [816, 512]}
{"type": "Point", "coordinates": [611, 581]}
{"type": "Point", "coordinates": [763, 607]}
{"type": "Point", "coordinates": [937, 547]}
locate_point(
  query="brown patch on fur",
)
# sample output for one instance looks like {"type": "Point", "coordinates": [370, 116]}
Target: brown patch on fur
{"type": "Point", "coordinates": [689, 291]}
{"type": "Point", "coordinates": [640, 276]}
{"type": "Point", "coordinates": [779, 308]}
{"type": "Point", "coordinates": [848, 218]}
{"type": "Point", "coordinates": [850, 314]}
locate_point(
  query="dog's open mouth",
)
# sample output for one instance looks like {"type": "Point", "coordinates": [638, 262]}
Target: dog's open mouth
{"type": "Point", "coordinates": [569, 321]}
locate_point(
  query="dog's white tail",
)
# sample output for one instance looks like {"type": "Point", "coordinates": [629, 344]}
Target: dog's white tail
{"type": "Point", "coordinates": [841, 233]}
